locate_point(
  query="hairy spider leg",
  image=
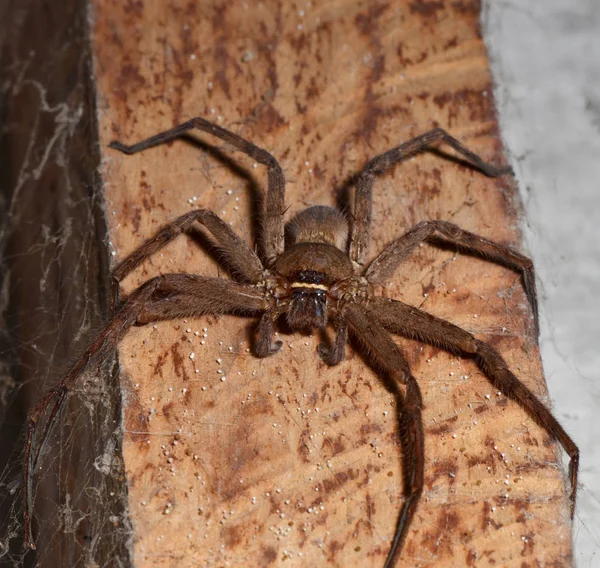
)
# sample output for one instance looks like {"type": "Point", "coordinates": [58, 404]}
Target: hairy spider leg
{"type": "Point", "coordinates": [273, 225]}
{"type": "Point", "coordinates": [246, 265]}
{"type": "Point", "coordinates": [382, 350]}
{"type": "Point", "coordinates": [363, 201]}
{"type": "Point", "coordinates": [437, 232]}
{"type": "Point", "coordinates": [410, 322]}
{"type": "Point", "coordinates": [165, 297]}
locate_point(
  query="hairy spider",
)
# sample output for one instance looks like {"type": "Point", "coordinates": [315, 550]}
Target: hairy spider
{"type": "Point", "coordinates": [317, 280]}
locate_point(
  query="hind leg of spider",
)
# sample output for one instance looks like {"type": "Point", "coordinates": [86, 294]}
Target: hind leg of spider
{"type": "Point", "coordinates": [386, 355]}
{"type": "Point", "coordinates": [444, 232]}
{"type": "Point", "coordinates": [361, 226]}
{"type": "Point", "coordinates": [169, 296]}
{"type": "Point", "coordinates": [407, 321]}
{"type": "Point", "coordinates": [237, 254]}
{"type": "Point", "coordinates": [273, 229]}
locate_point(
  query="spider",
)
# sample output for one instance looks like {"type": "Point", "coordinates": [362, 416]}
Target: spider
{"type": "Point", "coordinates": [316, 279]}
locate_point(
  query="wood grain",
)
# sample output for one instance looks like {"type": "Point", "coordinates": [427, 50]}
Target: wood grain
{"type": "Point", "coordinates": [233, 460]}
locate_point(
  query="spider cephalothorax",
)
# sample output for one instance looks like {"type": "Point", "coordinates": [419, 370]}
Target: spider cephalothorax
{"type": "Point", "coordinates": [314, 261]}
{"type": "Point", "coordinates": [314, 278]}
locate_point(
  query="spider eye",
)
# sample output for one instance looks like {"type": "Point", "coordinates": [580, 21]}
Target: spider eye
{"type": "Point", "coordinates": [308, 309]}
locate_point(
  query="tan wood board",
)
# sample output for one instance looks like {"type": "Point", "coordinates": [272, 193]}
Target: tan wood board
{"type": "Point", "coordinates": [232, 460]}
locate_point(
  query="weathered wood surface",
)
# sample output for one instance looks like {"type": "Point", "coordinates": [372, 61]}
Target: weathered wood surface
{"type": "Point", "coordinates": [286, 461]}
{"type": "Point", "coordinates": [53, 298]}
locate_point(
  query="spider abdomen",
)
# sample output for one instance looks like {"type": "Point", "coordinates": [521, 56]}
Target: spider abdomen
{"type": "Point", "coordinates": [319, 224]}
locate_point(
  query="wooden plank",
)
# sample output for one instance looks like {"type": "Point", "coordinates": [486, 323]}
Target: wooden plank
{"type": "Point", "coordinates": [286, 460]}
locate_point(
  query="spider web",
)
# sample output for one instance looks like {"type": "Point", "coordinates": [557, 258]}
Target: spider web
{"type": "Point", "coordinates": [53, 298]}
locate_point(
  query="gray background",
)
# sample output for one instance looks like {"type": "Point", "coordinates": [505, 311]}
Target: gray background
{"type": "Point", "coordinates": [546, 64]}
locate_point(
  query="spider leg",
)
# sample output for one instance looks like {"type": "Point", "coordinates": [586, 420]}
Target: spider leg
{"type": "Point", "coordinates": [238, 254]}
{"type": "Point", "coordinates": [166, 297]}
{"type": "Point", "coordinates": [335, 354]}
{"type": "Point", "coordinates": [264, 333]}
{"type": "Point", "coordinates": [388, 356]}
{"type": "Point", "coordinates": [411, 322]}
{"type": "Point", "coordinates": [444, 232]}
{"type": "Point", "coordinates": [273, 235]}
{"type": "Point", "coordinates": [361, 227]}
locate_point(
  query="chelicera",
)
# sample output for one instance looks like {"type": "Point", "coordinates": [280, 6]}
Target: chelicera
{"type": "Point", "coordinates": [318, 278]}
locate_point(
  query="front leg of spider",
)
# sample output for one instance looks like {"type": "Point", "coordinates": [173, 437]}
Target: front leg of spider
{"type": "Point", "coordinates": [363, 202]}
{"type": "Point", "coordinates": [272, 232]}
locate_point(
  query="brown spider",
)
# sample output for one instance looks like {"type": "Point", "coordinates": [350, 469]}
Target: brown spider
{"type": "Point", "coordinates": [316, 280]}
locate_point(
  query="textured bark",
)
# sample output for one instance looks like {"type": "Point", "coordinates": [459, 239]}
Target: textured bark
{"type": "Point", "coordinates": [286, 459]}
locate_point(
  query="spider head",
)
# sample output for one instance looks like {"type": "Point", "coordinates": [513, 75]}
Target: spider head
{"type": "Point", "coordinates": [308, 303]}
